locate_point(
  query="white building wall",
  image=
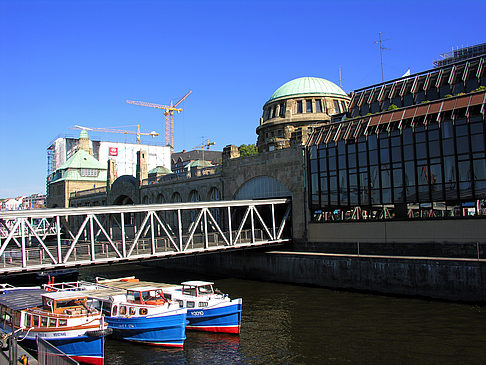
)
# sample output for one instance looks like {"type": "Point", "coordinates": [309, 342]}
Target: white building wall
{"type": "Point", "coordinates": [125, 154]}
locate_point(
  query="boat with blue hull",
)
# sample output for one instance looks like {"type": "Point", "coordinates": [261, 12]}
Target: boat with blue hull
{"type": "Point", "coordinates": [135, 311]}
{"type": "Point", "coordinates": [62, 319]}
{"type": "Point", "coordinates": [208, 309]}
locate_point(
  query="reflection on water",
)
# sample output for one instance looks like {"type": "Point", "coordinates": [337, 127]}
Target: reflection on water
{"type": "Point", "coordinates": [290, 324]}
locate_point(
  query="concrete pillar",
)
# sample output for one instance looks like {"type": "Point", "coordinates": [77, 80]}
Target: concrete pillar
{"type": "Point", "coordinates": [111, 174]}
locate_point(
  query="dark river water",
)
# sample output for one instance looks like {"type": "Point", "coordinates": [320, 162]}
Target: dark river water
{"type": "Point", "coordinates": [289, 324]}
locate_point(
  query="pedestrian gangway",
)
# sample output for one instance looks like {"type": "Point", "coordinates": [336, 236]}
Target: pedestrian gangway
{"type": "Point", "coordinates": [46, 239]}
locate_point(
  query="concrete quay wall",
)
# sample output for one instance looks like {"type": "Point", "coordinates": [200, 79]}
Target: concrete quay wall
{"type": "Point", "coordinates": [446, 279]}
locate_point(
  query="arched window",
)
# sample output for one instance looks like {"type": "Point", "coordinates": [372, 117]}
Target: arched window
{"type": "Point", "coordinates": [262, 187]}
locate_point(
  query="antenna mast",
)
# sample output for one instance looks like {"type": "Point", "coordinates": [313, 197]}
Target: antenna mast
{"type": "Point", "coordinates": [380, 42]}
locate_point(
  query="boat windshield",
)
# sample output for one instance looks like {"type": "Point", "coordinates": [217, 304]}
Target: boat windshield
{"type": "Point", "coordinates": [152, 295]}
{"type": "Point", "coordinates": [189, 290]}
{"type": "Point", "coordinates": [205, 290]}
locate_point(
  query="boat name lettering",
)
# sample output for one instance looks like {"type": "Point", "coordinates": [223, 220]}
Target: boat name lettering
{"type": "Point", "coordinates": [59, 334]}
{"type": "Point", "coordinates": [197, 313]}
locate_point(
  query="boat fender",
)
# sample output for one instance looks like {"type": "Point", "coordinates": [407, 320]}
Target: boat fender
{"type": "Point", "coordinates": [98, 333]}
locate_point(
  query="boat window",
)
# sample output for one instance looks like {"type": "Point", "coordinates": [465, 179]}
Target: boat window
{"type": "Point", "coordinates": [181, 303]}
{"type": "Point", "coordinates": [132, 311]}
{"type": "Point", "coordinates": [28, 320]}
{"type": "Point", "coordinates": [115, 309]}
{"type": "Point", "coordinates": [143, 311]}
{"type": "Point", "coordinates": [133, 296]}
{"type": "Point", "coordinates": [8, 318]}
{"type": "Point", "coordinates": [203, 304]}
{"type": "Point", "coordinates": [152, 295]}
{"type": "Point", "coordinates": [205, 290]}
{"type": "Point", "coordinates": [35, 322]}
{"type": "Point", "coordinates": [52, 322]}
{"type": "Point", "coordinates": [62, 322]}
{"type": "Point", "coordinates": [190, 304]}
{"type": "Point", "coordinates": [43, 321]}
{"type": "Point", "coordinates": [168, 296]}
{"type": "Point", "coordinates": [189, 290]}
{"type": "Point", "coordinates": [123, 310]}
{"type": "Point", "coordinates": [68, 303]}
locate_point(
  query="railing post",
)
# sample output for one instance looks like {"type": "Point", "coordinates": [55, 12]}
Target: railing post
{"type": "Point", "coordinates": [92, 244]}
{"type": "Point", "coordinates": [58, 234]}
{"type": "Point", "coordinates": [252, 225]}
{"type": "Point", "coordinates": [179, 224]}
{"type": "Point", "coordinates": [206, 243]}
{"type": "Point", "coordinates": [230, 229]}
{"type": "Point", "coordinates": [22, 228]}
{"type": "Point", "coordinates": [152, 232]}
{"type": "Point", "coordinates": [122, 223]}
{"type": "Point", "coordinates": [273, 222]}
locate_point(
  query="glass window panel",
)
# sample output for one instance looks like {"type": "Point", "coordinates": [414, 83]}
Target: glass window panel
{"type": "Point", "coordinates": [308, 106]}
{"type": "Point", "coordinates": [323, 164]}
{"type": "Point", "coordinates": [477, 143]}
{"type": "Point", "coordinates": [465, 191]}
{"type": "Point", "coordinates": [423, 193]}
{"type": "Point", "coordinates": [386, 196]}
{"type": "Point", "coordinates": [318, 106]}
{"type": "Point", "coordinates": [351, 148]}
{"type": "Point", "coordinates": [399, 195]}
{"type": "Point", "coordinates": [449, 169]}
{"type": "Point", "coordinates": [408, 152]}
{"type": "Point", "coordinates": [362, 159]}
{"type": "Point", "coordinates": [407, 136]}
{"type": "Point", "coordinates": [411, 194]}
{"type": "Point", "coordinates": [397, 177]}
{"type": "Point", "coordinates": [352, 160]}
{"type": "Point", "coordinates": [448, 147]}
{"type": "Point", "coordinates": [461, 130]}
{"type": "Point", "coordinates": [313, 166]}
{"type": "Point", "coordinates": [433, 134]}
{"type": "Point", "coordinates": [396, 154]}
{"type": "Point", "coordinates": [375, 196]}
{"type": "Point", "coordinates": [447, 129]}
{"type": "Point", "coordinates": [434, 149]}
{"type": "Point", "coordinates": [423, 175]}
{"type": "Point", "coordinates": [480, 186]}
{"type": "Point", "coordinates": [464, 171]}
{"type": "Point", "coordinates": [435, 174]}
{"type": "Point", "coordinates": [332, 163]}
{"type": "Point", "coordinates": [476, 128]}
{"type": "Point", "coordinates": [395, 141]}
{"type": "Point", "coordinates": [421, 150]}
{"type": "Point", "coordinates": [372, 142]}
{"type": "Point", "coordinates": [374, 180]}
{"type": "Point", "coordinates": [314, 183]}
{"type": "Point", "coordinates": [299, 106]}
{"type": "Point", "coordinates": [373, 157]}
{"type": "Point", "coordinates": [409, 173]}
{"type": "Point", "coordinates": [282, 110]}
{"type": "Point", "coordinates": [313, 152]}
{"type": "Point", "coordinates": [337, 107]}
{"type": "Point", "coordinates": [479, 168]}
{"type": "Point", "coordinates": [462, 144]}
{"type": "Point", "coordinates": [420, 137]}
{"type": "Point", "coordinates": [385, 178]}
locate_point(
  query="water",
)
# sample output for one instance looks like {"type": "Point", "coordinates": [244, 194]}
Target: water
{"type": "Point", "coordinates": [288, 324]}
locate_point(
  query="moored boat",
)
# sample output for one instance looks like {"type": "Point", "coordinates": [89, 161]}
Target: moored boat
{"type": "Point", "coordinates": [207, 309]}
{"type": "Point", "coordinates": [138, 312]}
{"type": "Point", "coordinates": [61, 318]}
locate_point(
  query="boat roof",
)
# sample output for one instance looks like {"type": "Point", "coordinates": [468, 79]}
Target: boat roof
{"type": "Point", "coordinates": [69, 294]}
{"type": "Point", "coordinates": [103, 293]}
{"type": "Point", "coordinates": [19, 299]}
{"type": "Point", "coordinates": [144, 288]}
{"type": "Point", "coordinates": [134, 284]}
{"type": "Point", "coordinates": [197, 283]}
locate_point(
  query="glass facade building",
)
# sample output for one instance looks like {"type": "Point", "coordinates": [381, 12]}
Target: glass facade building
{"type": "Point", "coordinates": [428, 155]}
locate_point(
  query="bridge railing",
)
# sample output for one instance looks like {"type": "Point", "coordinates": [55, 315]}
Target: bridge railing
{"type": "Point", "coordinates": [57, 238]}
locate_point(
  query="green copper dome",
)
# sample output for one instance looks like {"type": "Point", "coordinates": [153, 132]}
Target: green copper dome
{"type": "Point", "coordinates": [83, 134]}
{"type": "Point", "coordinates": [307, 85]}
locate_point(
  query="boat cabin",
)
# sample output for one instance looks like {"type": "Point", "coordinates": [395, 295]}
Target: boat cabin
{"type": "Point", "coordinates": [197, 288]}
{"type": "Point", "coordinates": [146, 295]}
{"type": "Point", "coordinates": [70, 303]}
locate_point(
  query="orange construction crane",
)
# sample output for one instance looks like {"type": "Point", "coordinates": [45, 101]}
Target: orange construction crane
{"type": "Point", "coordinates": [168, 111]}
{"type": "Point", "coordinates": [112, 130]}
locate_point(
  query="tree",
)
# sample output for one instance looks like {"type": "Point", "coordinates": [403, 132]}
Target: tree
{"type": "Point", "coordinates": [248, 149]}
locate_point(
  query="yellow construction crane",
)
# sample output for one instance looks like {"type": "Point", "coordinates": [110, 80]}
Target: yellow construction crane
{"type": "Point", "coordinates": [207, 145]}
{"type": "Point", "coordinates": [112, 130]}
{"type": "Point", "coordinates": [168, 111]}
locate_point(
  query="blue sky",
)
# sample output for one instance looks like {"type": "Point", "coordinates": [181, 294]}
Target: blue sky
{"type": "Point", "coordinates": [76, 62]}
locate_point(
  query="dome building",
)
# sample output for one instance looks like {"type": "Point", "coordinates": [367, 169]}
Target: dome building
{"type": "Point", "coordinates": [303, 102]}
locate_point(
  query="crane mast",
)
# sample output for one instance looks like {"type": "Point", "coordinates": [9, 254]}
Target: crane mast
{"type": "Point", "coordinates": [168, 113]}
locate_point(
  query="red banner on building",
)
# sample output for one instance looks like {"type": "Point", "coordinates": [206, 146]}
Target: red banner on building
{"type": "Point", "coordinates": [113, 151]}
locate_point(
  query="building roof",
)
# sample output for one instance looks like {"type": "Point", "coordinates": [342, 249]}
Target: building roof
{"type": "Point", "coordinates": [307, 85]}
{"type": "Point", "coordinates": [212, 156]}
{"type": "Point", "coordinates": [198, 163]}
{"type": "Point", "coordinates": [160, 170]}
{"type": "Point", "coordinates": [82, 160]}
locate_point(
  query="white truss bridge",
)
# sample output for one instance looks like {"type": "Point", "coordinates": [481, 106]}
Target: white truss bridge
{"type": "Point", "coordinates": [46, 239]}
